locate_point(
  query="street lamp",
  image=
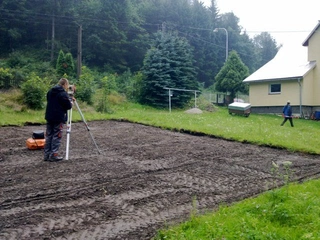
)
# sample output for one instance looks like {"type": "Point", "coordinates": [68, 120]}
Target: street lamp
{"type": "Point", "coordinates": [216, 30]}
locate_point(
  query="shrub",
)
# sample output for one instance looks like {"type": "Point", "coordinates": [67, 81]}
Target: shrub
{"type": "Point", "coordinates": [6, 78]}
{"type": "Point", "coordinates": [108, 86]}
{"type": "Point", "coordinates": [85, 86]}
{"type": "Point", "coordinates": [34, 91]}
{"type": "Point", "coordinates": [17, 59]}
{"type": "Point", "coordinates": [65, 64]}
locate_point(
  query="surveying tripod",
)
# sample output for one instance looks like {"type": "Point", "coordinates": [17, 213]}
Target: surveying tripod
{"type": "Point", "coordinates": [69, 129]}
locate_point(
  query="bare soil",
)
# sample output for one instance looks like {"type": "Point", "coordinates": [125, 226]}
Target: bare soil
{"type": "Point", "coordinates": [144, 179]}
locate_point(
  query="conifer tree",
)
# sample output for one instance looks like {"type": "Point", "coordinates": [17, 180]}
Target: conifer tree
{"type": "Point", "coordinates": [60, 63]}
{"type": "Point", "coordinates": [168, 64]}
{"type": "Point", "coordinates": [65, 64]}
{"type": "Point", "coordinates": [69, 65]}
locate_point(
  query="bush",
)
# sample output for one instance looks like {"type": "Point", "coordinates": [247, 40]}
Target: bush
{"type": "Point", "coordinates": [17, 59]}
{"type": "Point", "coordinates": [85, 86]}
{"type": "Point", "coordinates": [6, 78]}
{"type": "Point", "coordinates": [65, 64]}
{"type": "Point", "coordinates": [34, 91]}
{"type": "Point", "coordinates": [108, 86]}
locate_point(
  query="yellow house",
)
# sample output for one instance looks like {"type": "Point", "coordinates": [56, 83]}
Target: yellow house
{"type": "Point", "coordinates": [293, 74]}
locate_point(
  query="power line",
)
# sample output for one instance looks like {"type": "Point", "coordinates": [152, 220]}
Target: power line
{"type": "Point", "coordinates": [30, 13]}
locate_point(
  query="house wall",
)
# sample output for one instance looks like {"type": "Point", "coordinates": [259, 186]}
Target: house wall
{"type": "Point", "coordinates": [259, 94]}
{"type": "Point", "coordinates": [307, 89]}
{"type": "Point", "coordinates": [316, 83]}
{"type": "Point", "coordinates": [314, 55]}
{"type": "Point", "coordinates": [263, 102]}
{"type": "Point", "coordinates": [314, 47]}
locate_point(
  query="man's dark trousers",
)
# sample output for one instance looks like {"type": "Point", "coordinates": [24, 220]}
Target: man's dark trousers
{"type": "Point", "coordinates": [285, 119]}
{"type": "Point", "coordinates": [53, 138]}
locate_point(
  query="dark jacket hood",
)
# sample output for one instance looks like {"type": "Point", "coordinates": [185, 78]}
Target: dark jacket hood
{"type": "Point", "coordinates": [57, 89]}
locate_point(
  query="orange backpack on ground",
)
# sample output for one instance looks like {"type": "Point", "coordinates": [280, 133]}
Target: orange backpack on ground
{"type": "Point", "coordinates": [37, 141]}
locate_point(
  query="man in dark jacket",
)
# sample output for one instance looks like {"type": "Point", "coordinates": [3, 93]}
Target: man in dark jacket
{"type": "Point", "coordinates": [287, 114]}
{"type": "Point", "coordinates": [58, 103]}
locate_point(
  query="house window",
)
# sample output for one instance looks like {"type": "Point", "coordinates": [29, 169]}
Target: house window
{"type": "Point", "coordinates": [275, 88]}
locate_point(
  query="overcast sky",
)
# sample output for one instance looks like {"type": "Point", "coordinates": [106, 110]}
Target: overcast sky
{"type": "Point", "coordinates": [283, 19]}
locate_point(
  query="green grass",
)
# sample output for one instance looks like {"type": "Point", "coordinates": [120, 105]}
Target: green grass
{"type": "Point", "coordinates": [291, 212]}
{"type": "Point", "coordinates": [257, 129]}
{"type": "Point", "coordinates": [288, 216]}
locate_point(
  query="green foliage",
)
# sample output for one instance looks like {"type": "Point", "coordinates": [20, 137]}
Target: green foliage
{"type": "Point", "coordinates": [6, 78]}
{"type": "Point", "coordinates": [124, 82]}
{"type": "Point", "coordinates": [85, 86]}
{"type": "Point", "coordinates": [135, 92]}
{"type": "Point", "coordinates": [109, 42]}
{"type": "Point", "coordinates": [23, 63]}
{"type": "Point", "coordinates": [65, 64]}
{"type": "Point", "coordinates": [292, 218]}
{"type": "Point", "coordinates": [130, 85]}
{"type": "Point", "coordinates": [34, 91]}
{"type": "Point", "coordinates": [282, 172]}
{"type": "Point", "coordinates": [69, 63]}
{"type": "Point", "coordinates": [60, 62]}
{"type": "Point", "coordinates": [231, 75]}
{"type": "Point", "coordinates": [17, 59]}
{"type": "Point", "coordinates": [265, 47]}
{"type": "Point", "coordinates": [169, 63]}
{"type": "Point", "coordinates": [108, 86]}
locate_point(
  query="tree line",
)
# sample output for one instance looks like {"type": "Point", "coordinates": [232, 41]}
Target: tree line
{"type": "Point", "coordinates": [118, 36]}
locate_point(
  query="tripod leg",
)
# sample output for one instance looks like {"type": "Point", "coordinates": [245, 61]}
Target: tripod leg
{"type": "Point", "coordinates": [82, 117]}
{"type": "Point", "coordinates": [68, 132]}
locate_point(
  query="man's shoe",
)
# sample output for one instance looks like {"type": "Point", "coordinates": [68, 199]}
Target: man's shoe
{"type": "Point", "coordinates": [55, 158]}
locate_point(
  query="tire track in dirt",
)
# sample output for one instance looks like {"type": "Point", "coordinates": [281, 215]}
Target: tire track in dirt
{"type": "Point", "coordinates": [146, 178]}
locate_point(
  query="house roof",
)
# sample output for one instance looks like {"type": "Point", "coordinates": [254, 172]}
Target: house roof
{"type": "Point", "coordinates": [306, 42]}
{"type": "Point", "coordinates": [289, 63]}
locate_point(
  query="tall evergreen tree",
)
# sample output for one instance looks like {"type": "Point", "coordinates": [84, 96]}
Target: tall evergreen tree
{"type": "Point", "coordinates": [60, 66]}
{"type": "Point", "coordinates": [266, 47]}
{"type": "Point", "coordinates": [231, 75]}
{"type": "Point", "coordinates": [65, 64]}
{"type": "Point", "coordinates": [169, 63]}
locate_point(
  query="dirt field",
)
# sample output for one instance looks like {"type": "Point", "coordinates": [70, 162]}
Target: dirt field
{"type": "Point", "coordinates": [144, 179]}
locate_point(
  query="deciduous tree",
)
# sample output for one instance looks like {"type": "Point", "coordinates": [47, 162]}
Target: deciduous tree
{"type": "Point", "coordinates": [231, 75]}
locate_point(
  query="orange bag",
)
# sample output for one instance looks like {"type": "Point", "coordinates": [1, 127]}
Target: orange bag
{"type": "Point", "coordinates": [34, 144]}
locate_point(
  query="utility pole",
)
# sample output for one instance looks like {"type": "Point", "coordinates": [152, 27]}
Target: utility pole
{"type": "Point", "coordinates": [79, 57]}
{"type": "Point", "coordinates": [52, 38]}
{"type": "Point", "coordinates": [53, 30]}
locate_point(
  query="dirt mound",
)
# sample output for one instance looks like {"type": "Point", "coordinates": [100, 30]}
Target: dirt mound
{"type": "Point", "coordinates": [194, 111]}
{"type": "Point", "coordinates": [144, 179]}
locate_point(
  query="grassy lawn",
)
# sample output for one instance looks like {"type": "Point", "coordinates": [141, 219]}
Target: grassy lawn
{"type": "Point", "coordinates": [288, 213]}
{"type": "Point", "coordinates": [291, 212]}
{"type": "Point", "coordinates": [257, 129]}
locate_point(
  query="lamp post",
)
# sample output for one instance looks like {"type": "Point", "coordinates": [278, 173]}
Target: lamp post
{"type": "Point", "coordinates": [216, 30]}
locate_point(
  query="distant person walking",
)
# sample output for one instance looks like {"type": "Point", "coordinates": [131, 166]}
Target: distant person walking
{"type": "Point", "coordinates": [58, 103]}
{"type": "Point", "coordinates": [287, 114]}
